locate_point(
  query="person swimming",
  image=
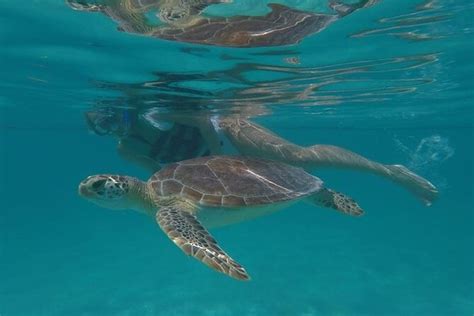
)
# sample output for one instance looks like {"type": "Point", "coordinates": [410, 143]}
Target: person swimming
{"type": "Point", "coordinates": [154, 137]}
{"type": "Point", "coordinates": [151, 144]}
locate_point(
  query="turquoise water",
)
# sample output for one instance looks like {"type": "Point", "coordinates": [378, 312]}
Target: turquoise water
{"type": "Point", "coordinates": [392, 82]}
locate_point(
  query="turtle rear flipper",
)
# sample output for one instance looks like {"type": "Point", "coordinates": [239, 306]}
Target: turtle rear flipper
{"type": "Point", "coordinates": [193, 239]}
{"type": "Point", "coordinates": [335, 200]}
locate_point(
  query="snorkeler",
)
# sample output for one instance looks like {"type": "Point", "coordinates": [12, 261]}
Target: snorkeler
{"type": "Point", "coordinates": [148, 144]}
{"type": "Point", "coordinates": [153, 138]}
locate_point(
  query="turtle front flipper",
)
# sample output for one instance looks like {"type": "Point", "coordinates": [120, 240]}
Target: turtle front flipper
{"type": "Point", "coordinates": [335, 200]}
{"type": "Point", "coordinates": [187, 233]}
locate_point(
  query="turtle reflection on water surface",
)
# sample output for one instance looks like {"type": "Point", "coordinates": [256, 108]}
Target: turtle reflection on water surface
{"type": "Point", "coordinates": [184, 21]}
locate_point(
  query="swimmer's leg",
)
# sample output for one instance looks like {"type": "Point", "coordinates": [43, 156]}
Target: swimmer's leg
{"type": "Point", "coordinates": [253, 140]}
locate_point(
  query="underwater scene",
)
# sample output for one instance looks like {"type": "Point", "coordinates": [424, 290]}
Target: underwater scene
{"type": "Point", "coordinates": [237, 157]}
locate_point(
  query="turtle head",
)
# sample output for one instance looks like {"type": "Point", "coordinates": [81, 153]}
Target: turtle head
{"type": "Point", "coordinates": [110, 191]}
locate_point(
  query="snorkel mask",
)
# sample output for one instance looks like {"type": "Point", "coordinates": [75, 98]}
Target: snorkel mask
{"type": "Point", "coordinates": [109, 121]}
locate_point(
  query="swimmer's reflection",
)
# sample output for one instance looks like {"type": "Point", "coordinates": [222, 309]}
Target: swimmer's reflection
{"type": "Point", "coordinates": [153, 137]}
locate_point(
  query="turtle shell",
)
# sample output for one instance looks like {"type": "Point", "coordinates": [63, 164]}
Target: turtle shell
{"type": "Point", "coordinates": [233, 181]}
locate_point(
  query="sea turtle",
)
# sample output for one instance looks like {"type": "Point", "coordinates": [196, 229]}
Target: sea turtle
{"type": "Point", "coordinates": [183, 21]}
{"type": "Point", "coordinates": [188, 196]}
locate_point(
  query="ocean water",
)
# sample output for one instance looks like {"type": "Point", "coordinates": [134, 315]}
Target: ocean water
{"type": "Point", "coordinates": [392, 82]}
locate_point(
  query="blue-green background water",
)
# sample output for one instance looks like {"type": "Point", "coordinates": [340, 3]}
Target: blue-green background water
{"type": "Point", "coordinates": [410, 102]}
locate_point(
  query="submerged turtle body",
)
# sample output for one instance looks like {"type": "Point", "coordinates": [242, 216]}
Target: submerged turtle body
{"type": "Point", "coordinates": [187, 195]}
{"type": "Point", "coordinates": [227, 181]}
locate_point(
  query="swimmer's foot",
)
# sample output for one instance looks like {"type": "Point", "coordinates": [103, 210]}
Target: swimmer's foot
{"type": "Point", "coordinates": [422, 188]}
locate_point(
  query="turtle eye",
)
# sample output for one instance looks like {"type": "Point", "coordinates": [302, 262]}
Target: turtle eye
{"type": "Point", "coordinates": [98, 184]}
